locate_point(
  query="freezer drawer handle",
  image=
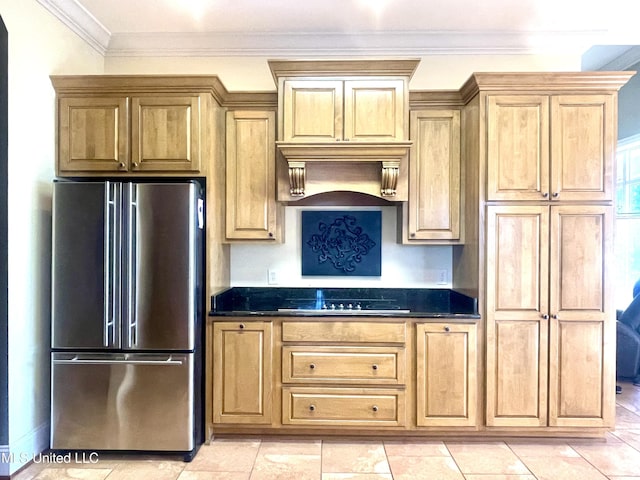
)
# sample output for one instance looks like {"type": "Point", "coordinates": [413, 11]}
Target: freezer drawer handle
{"type": "Point", "coordinates": [89, 361]}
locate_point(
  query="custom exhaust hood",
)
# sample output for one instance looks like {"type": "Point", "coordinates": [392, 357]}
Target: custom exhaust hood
{"type": "Point", "coordinates": [343, 126]}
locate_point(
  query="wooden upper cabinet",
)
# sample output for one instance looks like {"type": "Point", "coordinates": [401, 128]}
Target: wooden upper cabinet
{"type": "Point", "coordinates": [312, 110]}
{"type": "Point", "coordinates": [135, 125]}
{"type": "Point", "coordinates": [93, 134]}
{"type": "Point", "coordinates": [558, 147]}
{"type": "Point", "coordinates": [374, 110]}
{"type": "Point", "coordinates": [165, 134]}
{"type": "Point", "coordinates": [517, 147]}
{"type": "Point", "coordinates": [319, 110]}
{"type": "Point", "coordinates": [251, 182]}
{"type": "Point", "coordinates": [583, 144]}
{"type": "Point", "coordinates": [433, 211]}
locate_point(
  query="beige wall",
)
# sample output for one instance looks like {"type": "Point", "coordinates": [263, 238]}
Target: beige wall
{"type": "Point", "coordinates": [433, 72]}
{"type": "Point", "coordinates": [39, 45]}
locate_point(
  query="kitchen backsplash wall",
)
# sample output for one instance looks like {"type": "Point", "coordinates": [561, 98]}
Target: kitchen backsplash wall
{"type": "Point", "coordinates": [280, 265]}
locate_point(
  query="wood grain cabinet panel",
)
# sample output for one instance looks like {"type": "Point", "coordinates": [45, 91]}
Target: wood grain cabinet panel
{"type": "Point", "coordinates": [517, 147]}
{"type": "Point", "coordinates": [153, 134]}
{"type": "Point", "coordinates": [343, 365]}
{"type": "Point", "coordinates": [344, 332]}
{"type": "Point", "coordinates": [344, 407]}
{"type": "Point", "coordinates": [582, 340]}
{"type": "Point", "coordinates": [550, 147]}
{"type": "Point", "coordinates": [583, 145]}
{"type": "Point", "coordinates": [165, 134]}
{"type": "Point", "coordinates": [446, 369]}
{"type": "Point", "coordinates": [548, 264]}
{"type": "Point", "coordinates": [318, 110]}
{"type": "Point", "coordinates": [93, 134]}
{"type": "Point", "coordinates": [252, 213]}
{"type": "Point", "coordinates": [242, 366]}
{"type": "Point", "coordinates": [517, 315]}
{"type": "Point", "coordinates": [432, 213]}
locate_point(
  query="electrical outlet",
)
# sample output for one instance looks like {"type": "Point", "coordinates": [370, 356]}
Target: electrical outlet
{"type": "Point", "coordinates": [442, 277]}
{"type": "Point", "coordinates": [272, 277]}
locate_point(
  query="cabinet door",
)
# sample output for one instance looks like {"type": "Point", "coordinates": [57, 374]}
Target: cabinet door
{"type": "Point", "coordinates": [251, 198]}
{"type": "Point", "coordinates": [242, 382]}
{"type": "Point", "coordinates": [517, 315]}
{"type": "Point", "coordinates": [93, 135]}
{"type": "Point", "coordinates": [165, 134]}
{"type": "Point", "coordinates": [583, 143]}
{"type": "Point", "coordinates": [433, 209]}
{"type": "Point", "coordinates": [582, 347]}
{"type": "Point", "coordinates": [517, 147]}
{"type": "Point", "coordinates": [446, 381]}
{"type": "Point", "coordinates": [312, 111]}
{"type": "Point", "coordinates": [374, 110]}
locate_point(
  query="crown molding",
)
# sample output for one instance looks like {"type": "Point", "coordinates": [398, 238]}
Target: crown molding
{"type": "Point", "coordinates": [80, 21]}
{"type": "Point", "coordinates": [347, 44]}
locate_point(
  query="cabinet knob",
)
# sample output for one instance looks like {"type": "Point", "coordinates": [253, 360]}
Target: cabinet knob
{"type": "Point", "coordinates": [545, 194]}
{"type": "Point", "coordinates": [545, 316]}
{"type": "Point", "coordinates": [135, 164]}
{"type": "Point", "coordinates": [413, 235]}
{"type": "Point", "coordinates": [270, 234]}
{"type": "Point", "coordinates": [447, 328]}
{"type": "Point", "coordinates": [555, 194]}
{"type": "Point", "coordinates": [312, 407]}
{"type": "Point", "coordinates": [122, 165]}
{"type": "Point", "coordinates": [374, 408]}
{"type": "Point", "coordinates": [374, 366]}
{"type": "Point", "coordinates": [312, 366]}
{"type": "Point", "coordinates": [554, 316]}
{"type": "Point", "coordinates": [241, 326]}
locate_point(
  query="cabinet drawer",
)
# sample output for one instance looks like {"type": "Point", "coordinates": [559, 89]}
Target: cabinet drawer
{"type": "Point", "coordinates": [341, 406]}
{"type": "Point", "coordinates": [344, 332]}
{"type": "Point", "coordinates": [343, 365]}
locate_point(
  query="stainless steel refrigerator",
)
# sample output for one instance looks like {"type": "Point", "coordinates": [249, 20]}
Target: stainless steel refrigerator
{"type": "Point", "coordinates": [127, 316]}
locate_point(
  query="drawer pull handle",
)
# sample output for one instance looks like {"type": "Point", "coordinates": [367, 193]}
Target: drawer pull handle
{"type": "Point", "coordinates": [374, 366]}
{"type": "Point", "coordinates": [447, 328]}
{"type": "Point", "coordinates": [241, 326]}
{"type": "Point", "coordinates": [312, 366]}
{"type": "Point", "coordinates": [312, 408]}
{"type": "Point", "coordinates": [375, 408]}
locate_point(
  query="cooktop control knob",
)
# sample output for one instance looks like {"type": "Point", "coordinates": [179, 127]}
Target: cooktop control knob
{"type": "Point", "coordinates": [350, 306]}
{"type": "Point", "coordinates": [341, 306]}
{"type": "Point", "coordinates": [358, 306]}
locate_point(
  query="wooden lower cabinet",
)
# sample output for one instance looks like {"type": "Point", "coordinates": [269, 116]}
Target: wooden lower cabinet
{"type": "Point", "coordinates": [242, 366]}
{"type": "Point", "coordinates": [550, 326]}
{"type": "Point", "coordinates": [300, 376]}
{"type": "Point", "coordinates": [364, 407]}
{"type": "Point", "coordinates": [446, 374]}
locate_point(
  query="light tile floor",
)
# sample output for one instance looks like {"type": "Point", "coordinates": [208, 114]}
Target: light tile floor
{"type": "Point", "coordinates": [617, 457]}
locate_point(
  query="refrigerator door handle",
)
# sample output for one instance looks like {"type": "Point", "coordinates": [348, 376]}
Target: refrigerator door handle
{"type": "Point", "coordinates": [111, 266]}
{"type": "Point", "coordinates": [132, 320]}
{"type": "Point", "coordinates": [77, 360]}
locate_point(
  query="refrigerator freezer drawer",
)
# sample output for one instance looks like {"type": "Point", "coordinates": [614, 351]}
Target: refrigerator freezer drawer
{"type": "Point", "coordinates": [122, 401]}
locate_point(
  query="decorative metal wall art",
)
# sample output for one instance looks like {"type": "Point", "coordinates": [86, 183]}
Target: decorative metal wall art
{"type": "Point", "coordinates": [341, 243]}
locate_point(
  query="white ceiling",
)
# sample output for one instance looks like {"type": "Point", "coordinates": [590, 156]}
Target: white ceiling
{"type": "Point", "coordinates": [351, 27]}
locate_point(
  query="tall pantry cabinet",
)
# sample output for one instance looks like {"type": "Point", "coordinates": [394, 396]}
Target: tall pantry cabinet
{"type": "Point", "coordinates": [542, 244]}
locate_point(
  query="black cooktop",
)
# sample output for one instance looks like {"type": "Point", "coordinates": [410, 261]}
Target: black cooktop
{"type": "Point", "coordinates": [342, 301]}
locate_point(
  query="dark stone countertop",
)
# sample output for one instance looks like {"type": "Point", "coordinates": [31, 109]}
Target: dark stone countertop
{"type": "Point", "coordinates": [309, 302]}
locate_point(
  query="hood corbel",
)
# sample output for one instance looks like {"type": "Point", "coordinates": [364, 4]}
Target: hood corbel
{"type": "Point", "coordinates": [333, 167]}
